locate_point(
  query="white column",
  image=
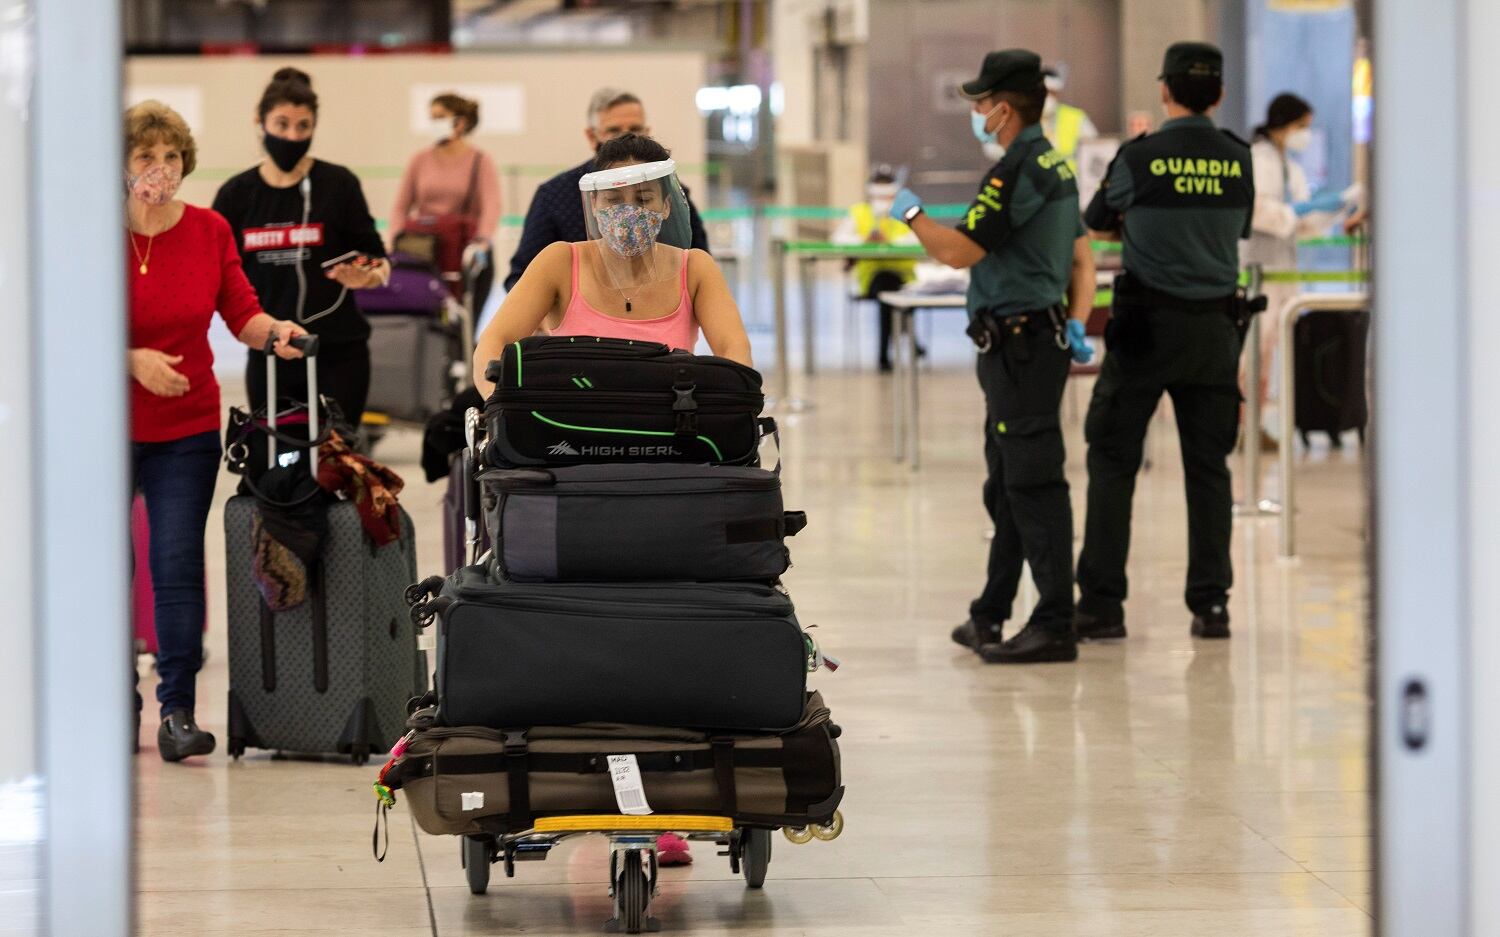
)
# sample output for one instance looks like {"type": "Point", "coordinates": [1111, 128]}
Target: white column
{"type": "Point", "coordinates": [79, 471]}
{"type": "Point", "coordinates": [1422, 439]}
{"type": "Point", "coordinates": [1480, 199]}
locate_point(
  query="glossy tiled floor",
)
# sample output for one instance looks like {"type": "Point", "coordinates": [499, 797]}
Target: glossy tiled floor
{"type": "Point", "coordinates": [1158, 786]}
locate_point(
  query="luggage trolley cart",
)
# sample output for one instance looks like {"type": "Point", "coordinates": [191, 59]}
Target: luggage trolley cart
{"type": "Point", "coordinates": [632, 858]}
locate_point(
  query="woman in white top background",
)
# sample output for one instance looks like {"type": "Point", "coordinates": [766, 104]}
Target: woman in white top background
{"type": "Point", "coordinates": [1285, 211]}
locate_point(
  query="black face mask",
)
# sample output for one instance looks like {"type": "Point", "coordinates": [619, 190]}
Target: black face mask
{"type": "Point", "coordinates": [286, 154]}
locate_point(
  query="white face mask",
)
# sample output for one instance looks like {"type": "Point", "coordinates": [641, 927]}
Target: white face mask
{"type": "Point", "coordinates": [993, 151]}
{"type": "Point", "coordinates": [1299, 139]}
{"type": "Point", "coordinates": [440, 128]}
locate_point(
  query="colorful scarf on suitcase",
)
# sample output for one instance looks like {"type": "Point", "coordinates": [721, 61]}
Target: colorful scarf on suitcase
{"type": "Point", "coordinates": [371, 486]}
{"type": "Point", "coordinates": [287, 529]}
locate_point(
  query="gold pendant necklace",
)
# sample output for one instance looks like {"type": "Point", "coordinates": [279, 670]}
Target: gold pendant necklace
{"type": "Point", "coordinates": [144, 261]}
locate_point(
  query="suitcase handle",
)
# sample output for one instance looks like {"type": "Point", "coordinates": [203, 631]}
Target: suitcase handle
{"type": "Point", "coordinates": [308, 345]}
{"type": "Point", "coordinates": [767, 427]}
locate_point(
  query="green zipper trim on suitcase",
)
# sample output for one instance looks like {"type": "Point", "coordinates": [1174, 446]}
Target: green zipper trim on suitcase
{"type": "Point", "coordinates": [626, 432]}
{"type": "Point", "coordinates": [518, 364]}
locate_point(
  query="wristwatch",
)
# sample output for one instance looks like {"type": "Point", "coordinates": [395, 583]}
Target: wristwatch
{"type": "Point", "coordinates": [911, 213]}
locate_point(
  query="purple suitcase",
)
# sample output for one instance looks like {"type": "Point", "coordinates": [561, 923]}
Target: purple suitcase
{"type": "Point", "coordinates": [415, 289]}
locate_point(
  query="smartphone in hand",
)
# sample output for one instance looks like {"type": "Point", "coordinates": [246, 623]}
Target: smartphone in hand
{"type": "Point", "coordinates": [355, 257]}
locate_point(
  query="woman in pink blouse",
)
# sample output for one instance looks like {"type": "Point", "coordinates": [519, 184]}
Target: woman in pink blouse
{"type": "Point", "coordinates": [450, 191]}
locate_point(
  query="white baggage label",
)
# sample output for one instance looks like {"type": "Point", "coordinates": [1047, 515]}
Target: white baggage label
{"type": "Point", "coordinates": [630, 792]}
{"type": "Point", "coordinates": [472, 800]}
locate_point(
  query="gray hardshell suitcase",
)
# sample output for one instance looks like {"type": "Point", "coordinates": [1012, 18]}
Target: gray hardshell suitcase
{"type": "Point", "coordinates": [413, 357]}
{"type": "Point", "coordinates": [335, 674]}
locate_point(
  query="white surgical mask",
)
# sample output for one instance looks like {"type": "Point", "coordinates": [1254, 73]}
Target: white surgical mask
{"type": "Point", "coordinates": [881, 206]}
{"type": "Point", "coordinates": [993, 151]}
{"type": "Point", "coordinates": [440, 128]}
{"type": "Point", "coordinates": [1299, 139]}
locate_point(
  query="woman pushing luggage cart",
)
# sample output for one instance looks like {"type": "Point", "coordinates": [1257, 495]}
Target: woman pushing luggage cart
{"type": "Point", "coordinates": [632, 532]}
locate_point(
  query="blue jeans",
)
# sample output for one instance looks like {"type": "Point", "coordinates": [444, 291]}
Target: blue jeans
{"type": "Point", "coordinates": [177, 480]}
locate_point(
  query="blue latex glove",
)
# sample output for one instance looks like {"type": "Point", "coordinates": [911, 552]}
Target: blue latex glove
{"type": "Point", "coordinates": [1326, 200]}
{"type": "Point", "coordinates": [1078, 343]}
{"type": "Point", "coordinates": [904, 201]}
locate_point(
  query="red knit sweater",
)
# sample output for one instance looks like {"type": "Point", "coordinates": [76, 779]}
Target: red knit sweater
{"type": "Point", "coordinates": [194, 269]}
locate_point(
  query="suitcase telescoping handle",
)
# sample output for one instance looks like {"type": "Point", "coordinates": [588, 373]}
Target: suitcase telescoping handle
{"type": "Point", "coordinates": [308, 345]}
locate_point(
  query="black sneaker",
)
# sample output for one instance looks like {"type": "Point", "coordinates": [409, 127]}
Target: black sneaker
{"type": "Point", "coordinates": [1212, 623]}
{"type": "Point", "coordinates": [1094, 628]}
{"type": "Point", "coordinates": [974, 634]}
{"type": "Point", "coordinates": [1035, 644]}
{"type": "Point", "coordinates": [179, 737]}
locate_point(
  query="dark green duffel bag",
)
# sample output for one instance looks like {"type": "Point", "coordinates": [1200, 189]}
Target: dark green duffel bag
{"type": "Point", "coordinates": [487, 781]}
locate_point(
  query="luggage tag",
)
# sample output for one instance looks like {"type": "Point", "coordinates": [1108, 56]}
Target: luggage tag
{"type": "Point", "coordinates": [630, 791]}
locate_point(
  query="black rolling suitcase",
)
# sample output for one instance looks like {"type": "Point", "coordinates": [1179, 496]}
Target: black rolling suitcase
{"type": "Point", "coordinates": [638, 522]}
{"type": "Point", "coordinates": [719, 655]}
{"type": "Point", "coordinates": [1330, 350]}
{"type": "Point", "coordinates": [583, 400]}
{"type": "Point", "coordinates": [334, 673]}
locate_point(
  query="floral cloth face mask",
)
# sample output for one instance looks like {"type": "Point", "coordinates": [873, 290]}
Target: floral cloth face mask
{"type": "Point", "coordinates": [629, 229]}
{"type": "Point", "coordinates": [155, 186]}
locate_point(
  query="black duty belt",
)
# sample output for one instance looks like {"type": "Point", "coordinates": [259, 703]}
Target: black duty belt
{"type": "Point", "coordinates": [1130, 291]}
{"type": "Point", "coordinates": [989, 331]}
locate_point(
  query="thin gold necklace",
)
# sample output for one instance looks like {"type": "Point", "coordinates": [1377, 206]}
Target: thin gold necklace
{"type": "Point", "coordinates": [144, 261]}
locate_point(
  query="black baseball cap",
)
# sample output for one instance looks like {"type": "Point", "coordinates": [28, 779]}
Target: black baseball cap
{"type": "Point", "coordinates": [1006, 70]}
{"type": "Point", "coordinates": [1195, 59]}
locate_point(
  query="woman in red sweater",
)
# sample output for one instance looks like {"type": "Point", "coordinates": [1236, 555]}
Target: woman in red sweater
{"type": "Point", "coordinates": [183, 266]}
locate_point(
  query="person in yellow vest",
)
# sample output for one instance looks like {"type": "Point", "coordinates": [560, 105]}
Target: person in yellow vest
{"type": "Point", "coordinates": [1064, 124]}
{"type": "Point", "coordinates": [870, 222]}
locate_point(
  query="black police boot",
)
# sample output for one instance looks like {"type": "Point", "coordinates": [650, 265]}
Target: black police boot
{"type": "Point", "coordinates": [1211, 623]}
{"type": "Point", "coordinates": [1094, 628]}
{"type": "Point", "coordinates": [1035, 644]}
{"type": "Point", "coordinates": [179, 737]}
{"type": "Point", "coordinates": [974, 634]}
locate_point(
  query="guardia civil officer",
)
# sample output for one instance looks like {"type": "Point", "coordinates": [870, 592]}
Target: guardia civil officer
{"type": "Point", "coordinates": [1027, 248]}
{"type": "Point", "coordinates": [1181, 199]}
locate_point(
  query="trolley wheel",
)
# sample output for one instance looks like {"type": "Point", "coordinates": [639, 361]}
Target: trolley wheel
{"type": "Point", "coordinates": [475, 855]}
{"type": "Point", "coordinates": [755, 856]}
{"type": "Point", "coordinates": [632, 894]}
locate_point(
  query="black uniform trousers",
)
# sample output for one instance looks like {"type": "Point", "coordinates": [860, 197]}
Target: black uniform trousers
{"type": "Point", "coordinates": [1026, 493]}
{"type": "Point", "coordinates": [1193, 356]}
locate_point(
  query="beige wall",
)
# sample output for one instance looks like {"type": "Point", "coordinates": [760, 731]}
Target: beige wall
{"type": "Point", "coordinates": [1147, 27]}
{"type": "Point", "coordinates": [364, 120]}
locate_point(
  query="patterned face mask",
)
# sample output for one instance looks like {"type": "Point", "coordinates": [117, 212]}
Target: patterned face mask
{"type": "Point", "coordinates": [155, 186]}
{"type": "Point", "coordinates": [629, 229]}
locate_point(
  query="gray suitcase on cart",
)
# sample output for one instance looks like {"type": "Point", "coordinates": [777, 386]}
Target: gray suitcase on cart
{"type": "Point", "coordinates": [336, 682]}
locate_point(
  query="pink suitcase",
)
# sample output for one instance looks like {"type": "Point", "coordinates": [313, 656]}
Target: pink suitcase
{"type": "Point", "coordinates": [143, 597]}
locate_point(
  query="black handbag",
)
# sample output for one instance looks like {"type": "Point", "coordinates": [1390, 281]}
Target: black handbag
{"type": "Point", "coordinates": [702, 523]}
{"type": "Point", "coordinates": [583, 400]}
{"type": "Point", "coordinates": [727, 656]}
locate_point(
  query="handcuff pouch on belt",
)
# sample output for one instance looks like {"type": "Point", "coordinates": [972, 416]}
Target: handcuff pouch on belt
{"type": "Point", "coordinates": [990, 333]}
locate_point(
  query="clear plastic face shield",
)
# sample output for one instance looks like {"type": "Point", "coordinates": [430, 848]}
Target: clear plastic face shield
{"type": "Point", "coordinates": [634, 211]}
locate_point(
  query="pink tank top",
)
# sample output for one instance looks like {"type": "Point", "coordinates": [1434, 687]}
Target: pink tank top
{"type": "Point", "coordinates": [676, 329]}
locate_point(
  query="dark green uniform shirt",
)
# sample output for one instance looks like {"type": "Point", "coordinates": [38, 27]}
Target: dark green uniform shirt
{"type": "Point", "coordinates": [1026, 217]}
{"type": "Point", "coordinates": [1186, 193]}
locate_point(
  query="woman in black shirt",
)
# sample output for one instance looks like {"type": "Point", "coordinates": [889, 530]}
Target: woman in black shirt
{"type": "Point", "coordinates": [291, 213]}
